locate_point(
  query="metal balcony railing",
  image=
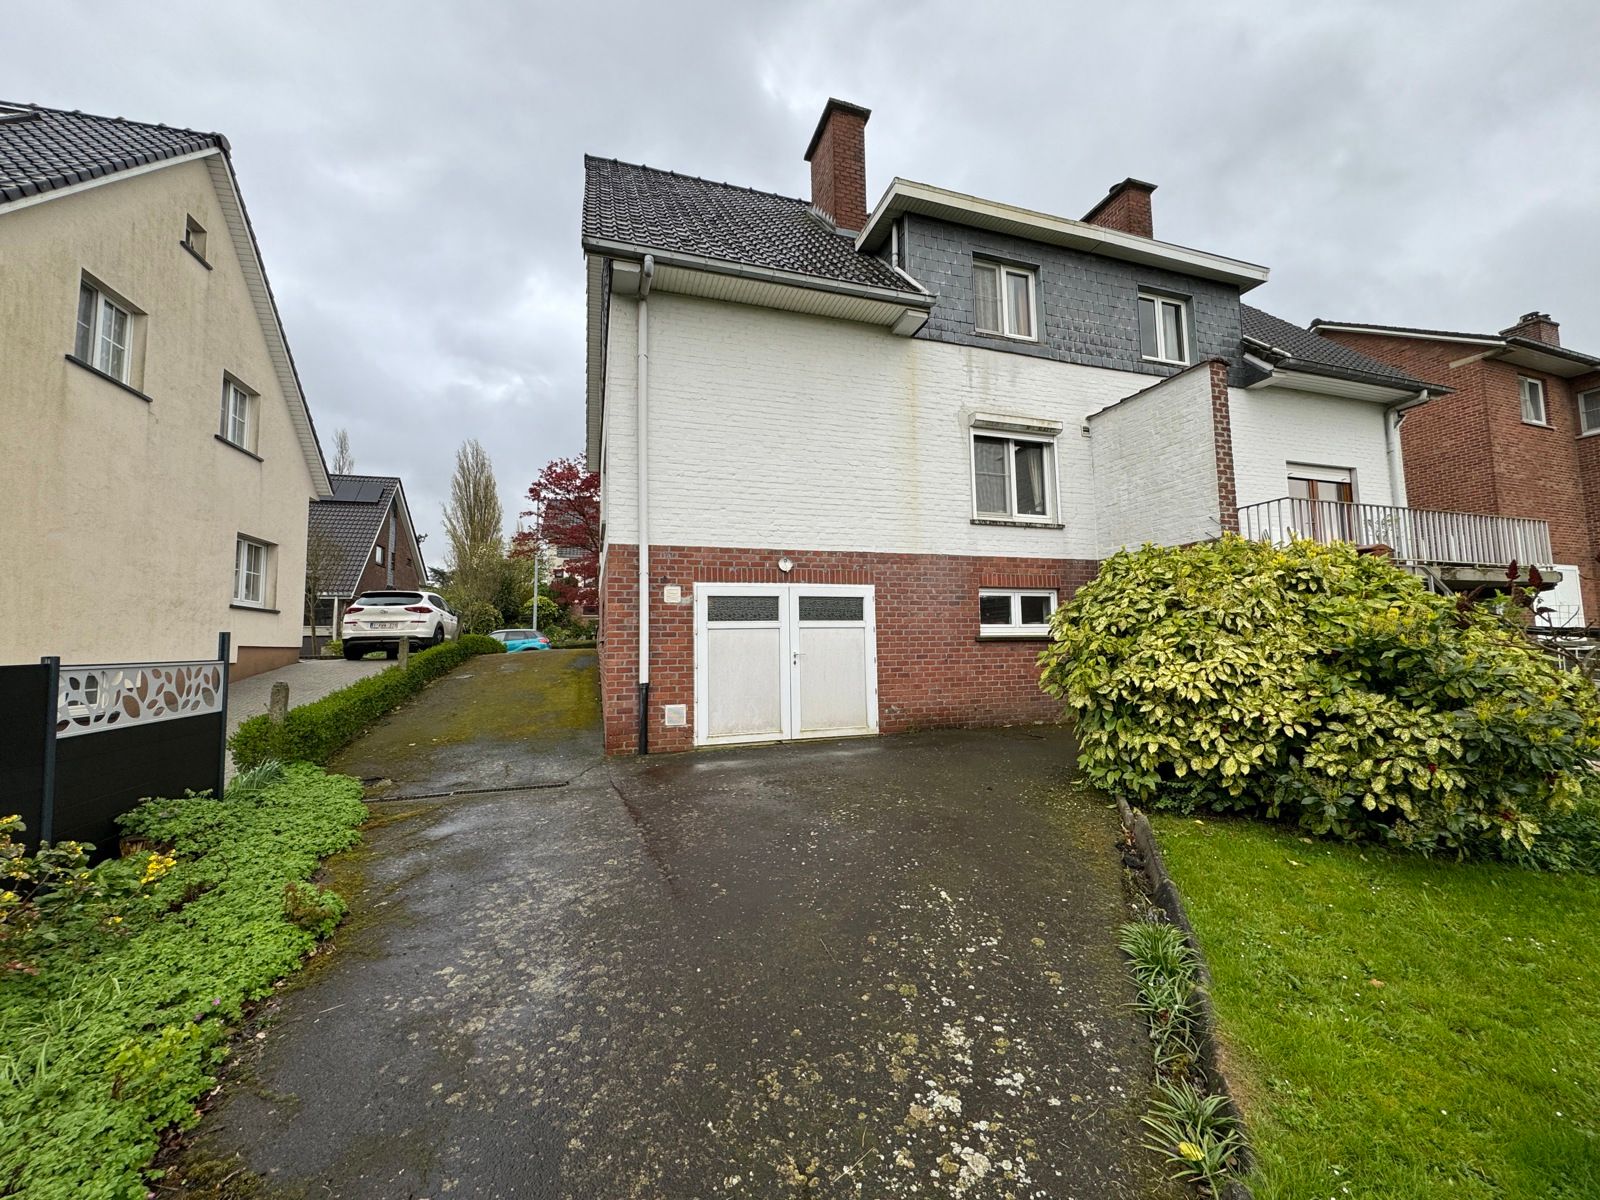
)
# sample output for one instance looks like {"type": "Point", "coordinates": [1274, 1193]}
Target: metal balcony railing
{"type": "Point", "coordinates": [1418, 535]}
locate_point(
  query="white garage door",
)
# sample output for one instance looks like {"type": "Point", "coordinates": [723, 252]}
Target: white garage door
{"type": "Point", "coordinates": [781, 661]}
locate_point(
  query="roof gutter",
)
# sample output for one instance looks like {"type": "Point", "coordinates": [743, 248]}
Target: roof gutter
{"type": "Point", "coordinates": [718, 266]}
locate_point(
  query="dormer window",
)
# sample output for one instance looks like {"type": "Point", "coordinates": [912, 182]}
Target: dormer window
{"type": "Point", "coordinates": [1004, 300]}
{"type": "Point", "coordinates": [1163, 329]}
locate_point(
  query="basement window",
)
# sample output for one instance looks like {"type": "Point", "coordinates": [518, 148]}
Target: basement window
{"type": "Point", "coordinates": [1006, 613]}
{"type": "Point", "coordinates": [1534, 411]}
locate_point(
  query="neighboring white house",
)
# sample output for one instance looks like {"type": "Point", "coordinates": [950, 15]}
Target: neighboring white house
{"type": "Point", "coordinates": [852, 460]}
{"type": "Point", "coordinates": [156, 449]}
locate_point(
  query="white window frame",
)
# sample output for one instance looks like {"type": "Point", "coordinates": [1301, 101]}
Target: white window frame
{"type": "Point", "coordinates": [93, 342]}
{"type": "Point", "coordinates": [1052, 491]}
{"type": "Point", "coordinates": [1585, 428]}
{"type": "Point", "coordinates": [1163, 352]}
{"type": "Point", "coordinates": [1008, 320]}
{"type": "Point", "coordinates": [1015, 628]}
{"type": "Point", "coordinates": [238, 401]}
{"type": "Point", "coordinates": [1528, 387]}
{"type": "Point", "coordinates": [242, 597]}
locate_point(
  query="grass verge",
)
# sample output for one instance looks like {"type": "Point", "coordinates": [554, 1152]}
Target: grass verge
{"type": "Point", "coordinates": [317, 731]}
{"type": "Point", "coordinates": [111, 1043]}
{"type": "Point", "coordinates": [1399, 1027]}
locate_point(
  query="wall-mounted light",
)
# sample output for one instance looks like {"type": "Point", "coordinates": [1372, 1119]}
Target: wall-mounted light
{"type": "Point", "coordinates": [785, 565]}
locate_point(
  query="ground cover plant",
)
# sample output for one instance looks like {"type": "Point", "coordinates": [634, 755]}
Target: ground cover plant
{"type": "Point", "coordinates": [1394, 1026]}
{"type": "Point", "coordinates": [111, 1029]}
{"type": "Point", "coordinates": [317, 731]}
{"type": "Point", "coordinates": [1329, 688]}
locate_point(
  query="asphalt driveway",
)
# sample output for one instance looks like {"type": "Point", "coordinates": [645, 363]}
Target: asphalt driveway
{"type": "Point", "coordinates": [876, 968]}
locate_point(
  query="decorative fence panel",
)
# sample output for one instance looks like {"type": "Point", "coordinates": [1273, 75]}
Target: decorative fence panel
{"type": "Point", "coordinates": [122, 732]}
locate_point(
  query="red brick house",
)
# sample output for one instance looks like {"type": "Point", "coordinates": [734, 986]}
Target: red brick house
{"type": "Point", "coordinates": [363, 537]}
{"type": "Point", "coordinates": [1514, 436]}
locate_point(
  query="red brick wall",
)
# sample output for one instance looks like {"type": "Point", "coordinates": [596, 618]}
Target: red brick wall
{"type": "Point", "coordinates": [932, 668]}
{"type": "Point", "coordinates": [1222, 437]}
{"type": "Point", "coordinates": [407, 571]}
{"type": "Point", "coordinates": [1471, 451]}
{"type": "Point", "coordinates": [1128, 210]}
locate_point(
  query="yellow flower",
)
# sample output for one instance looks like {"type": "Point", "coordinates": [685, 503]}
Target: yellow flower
{"type": "Point", "coordinates": [7, 897]}
{"type": "Point", "coordinates": [156, 866]}
{"type": "Point", "coordinates": [1190, 1151]}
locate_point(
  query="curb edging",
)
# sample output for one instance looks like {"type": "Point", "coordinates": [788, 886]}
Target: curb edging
{"type": "Point", "coordinates": [1163, 892]}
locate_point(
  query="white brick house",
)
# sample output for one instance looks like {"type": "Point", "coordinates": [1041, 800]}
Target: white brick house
{"type": "Point", "coordinates": [867, 454]}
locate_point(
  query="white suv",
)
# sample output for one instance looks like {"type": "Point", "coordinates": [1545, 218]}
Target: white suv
{"type": "Point", "coordinates": [379, 620]}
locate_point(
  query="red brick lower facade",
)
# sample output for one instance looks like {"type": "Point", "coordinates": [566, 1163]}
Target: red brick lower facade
{"type": "Point", "coordinates": [933, 669]}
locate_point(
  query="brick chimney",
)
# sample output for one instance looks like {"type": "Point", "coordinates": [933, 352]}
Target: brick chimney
{"type": "Point", "coordinates": [1126, 207]}
{"type": "Point", "coordinates": [1536, 326]}
{"type": "Point", "coordinates": [838, 158]}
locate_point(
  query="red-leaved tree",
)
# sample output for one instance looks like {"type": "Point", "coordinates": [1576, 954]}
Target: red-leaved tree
{"type": "Point", "coordinates": [566, 498]}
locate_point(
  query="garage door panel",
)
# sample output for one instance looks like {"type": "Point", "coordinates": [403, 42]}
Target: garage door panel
{"type": "Point", "coordinates": [832, 689]}
{"type": "Point", "coordinates": [745, 677]}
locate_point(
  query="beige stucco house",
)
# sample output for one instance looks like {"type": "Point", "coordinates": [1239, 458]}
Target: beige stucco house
{"type": "Point", "coordinates": [156, 452]}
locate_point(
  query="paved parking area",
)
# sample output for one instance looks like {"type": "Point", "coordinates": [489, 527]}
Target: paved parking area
{"type": "Point", "coordinates": [308, 680]}
{"type": "Point", "coordinates": [871, 968]}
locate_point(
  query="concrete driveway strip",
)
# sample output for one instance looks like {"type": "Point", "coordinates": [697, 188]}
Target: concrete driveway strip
{"type": "Point", "coordinates": [876, 968]}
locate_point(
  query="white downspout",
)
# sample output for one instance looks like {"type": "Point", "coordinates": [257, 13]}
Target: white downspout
{"type": "Point", "coordinates": [642, 452]}
{"type": "Point", "coordinates": [1391, 445]}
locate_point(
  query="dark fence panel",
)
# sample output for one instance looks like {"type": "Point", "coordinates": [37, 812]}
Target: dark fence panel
{"type": "Point", "coordinates": [103, 775]}
{"type": "Point", "coordinates": [25, 698]}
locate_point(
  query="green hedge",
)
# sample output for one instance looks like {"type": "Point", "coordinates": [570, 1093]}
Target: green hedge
{"type": "Point", "coordinates": [1331, 688]}
{"type": "Point", "coordinates": [317, 731]}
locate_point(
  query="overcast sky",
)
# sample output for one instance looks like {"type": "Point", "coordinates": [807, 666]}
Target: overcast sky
{"type": "Point", "coordinates": [414, 170]}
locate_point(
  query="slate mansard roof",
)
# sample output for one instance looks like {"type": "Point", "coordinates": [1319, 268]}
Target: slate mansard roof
{"type": "Point", "coordinates": [352, 520]}
{"type": "Point", "coordinates": [1293, 348]}
{"type": "Point", "coordinates": [43, 149]}
{"type": "Point", "coordinates": [658, 210]}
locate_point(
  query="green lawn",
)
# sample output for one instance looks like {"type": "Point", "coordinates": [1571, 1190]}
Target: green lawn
{"type": "Point", "coordinates": [1472, 1071]}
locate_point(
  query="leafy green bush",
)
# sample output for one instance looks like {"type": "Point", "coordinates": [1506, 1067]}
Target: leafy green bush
{"type": "Point", "coordinates": [1333, 688]}
{"type": "Point", "coordinates": [480, 617]}
{"type": "Point", "coordinates": [317, 731]}
{"type": "Point", "coordinates": [100, 1052]}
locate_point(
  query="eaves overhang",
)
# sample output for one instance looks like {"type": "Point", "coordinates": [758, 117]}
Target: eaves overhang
{"type": "Point", "coordinates": [1524, 352]}
{"type": "Point", "coordinates": [906, 196]}
{"type": "Point", "coordinates": [1347, 385]}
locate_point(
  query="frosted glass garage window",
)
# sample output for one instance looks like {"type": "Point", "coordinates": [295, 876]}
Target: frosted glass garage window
{"type": "Point", "coordinates": [741, 608]}
{"type": "Point", "coordinates": [832, 608]}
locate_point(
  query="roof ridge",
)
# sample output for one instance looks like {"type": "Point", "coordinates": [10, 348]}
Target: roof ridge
{"type": "Point", "coordinates": [738, 187]}
{"type": "Point", "coordinates": [78, 112]}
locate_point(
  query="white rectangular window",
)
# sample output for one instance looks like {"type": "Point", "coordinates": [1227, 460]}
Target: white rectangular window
{"type": "Point", "coordinates": [101, 338]}
{"type": "Point", "coordinates": [1589, 411]}
{"type": "Point", "coordinates": [1013, 478]}
{"type": "Point", "coordinates": [1004, 300]}
{"type": "Point", "coordinates": [238, 414]}
{"type": "Point", "coordinates": [1533, 407]}
{"type": "Point", "coordinates": [1008, 613]}
{"type": "Point", "coordinates": [250, 562]}
{"type": "Point", "coordinates": [1163, 329]}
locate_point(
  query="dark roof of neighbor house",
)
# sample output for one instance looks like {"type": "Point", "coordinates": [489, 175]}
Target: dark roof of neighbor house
{"type": "Point", "coordinates": [665, 211]}
{"type": "Point", "coordinates": [1526, 343]}
{"type": "Point", "coordinates": [43, 149]}
{"type": "Point", "coordinates": [352, 520]}
{"type": "Point", "coordinates": [1297, 349]}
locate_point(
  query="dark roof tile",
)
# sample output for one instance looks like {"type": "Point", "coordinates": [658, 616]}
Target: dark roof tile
{"type": "Point", "coordinates": [42, 149]}
{"type": "Point", "coordinates": [664, 211]}
{"type": "Point", "coordinates": [1310, 352]}
{"type": "Point", "coordinates": [352, 527]}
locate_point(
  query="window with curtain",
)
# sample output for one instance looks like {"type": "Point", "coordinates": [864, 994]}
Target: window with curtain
{"type": "Point", "coordinates": [1012, 478]}
{"type": "Point", "coordinates": [1004, 299]}
{"type": "Point", "coordinates": [1163, 329]}
{"type": "Point", "coordinates": [1589, 411]}
{"type": "Point", "coordinates": [250, 572]}
{"type": "Point", "coordinates": [238, 415]}
{"type": "Point", "coordinates": [1533, 407]}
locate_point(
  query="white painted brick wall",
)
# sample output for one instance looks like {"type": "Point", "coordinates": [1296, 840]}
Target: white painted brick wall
{"type": "Point", "coordinates": [775, 429]}
{"type": "Point", "coordinates": [1155, 466]}
{"type": "Point", "coordinates": [1273, 427]}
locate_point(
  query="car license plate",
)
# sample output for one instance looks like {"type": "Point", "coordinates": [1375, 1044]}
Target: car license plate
{"type": "Point", "coordinates": [386, 624]}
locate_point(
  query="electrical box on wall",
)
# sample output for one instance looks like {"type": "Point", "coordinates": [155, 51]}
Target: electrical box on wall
{"type": "Point", "coordinates": [674, 716]}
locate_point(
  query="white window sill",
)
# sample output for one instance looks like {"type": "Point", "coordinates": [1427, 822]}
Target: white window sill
{"type": "Point", "coordinates": [1005, 337]}
{"type": "Point", "coordinates": [1019, 522]}
{"type": "Point", "coordinates": [999, 633]}
{"type": "Point", "coordinates": [1590, 433]}
{"type": "Point", "coordinates": [245, 604]}
{"type": "Point", "coordinates": [1165, 362]}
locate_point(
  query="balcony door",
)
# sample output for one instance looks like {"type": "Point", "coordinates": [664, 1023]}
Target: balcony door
{"type": "Point", "coordinates": [1322, 498]}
